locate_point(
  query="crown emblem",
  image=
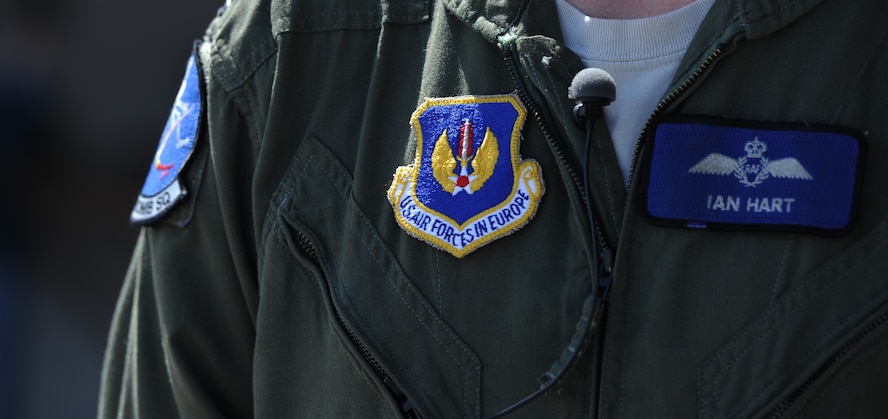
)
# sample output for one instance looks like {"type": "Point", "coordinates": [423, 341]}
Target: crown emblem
{"type": "Point", "coordinates": [755, 149]}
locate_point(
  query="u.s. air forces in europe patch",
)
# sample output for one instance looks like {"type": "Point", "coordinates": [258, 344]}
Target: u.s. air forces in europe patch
{"type": "Point", "coordinates": [468, 185]}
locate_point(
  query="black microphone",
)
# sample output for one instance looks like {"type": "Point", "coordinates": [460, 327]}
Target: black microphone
{"type": "Point", "coordinates": [593, 89]}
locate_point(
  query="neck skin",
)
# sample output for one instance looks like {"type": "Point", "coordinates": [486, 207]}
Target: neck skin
{"type": "Point", "coordinates": [627, 9]}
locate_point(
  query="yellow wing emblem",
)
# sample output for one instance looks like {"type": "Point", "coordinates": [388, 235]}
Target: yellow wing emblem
{"type": "Point", "coordinates": [443, 163]}
{"type": "Point", "coordinates": [485, 160]}
{"type": "Point", "coordinates": [482, 165]}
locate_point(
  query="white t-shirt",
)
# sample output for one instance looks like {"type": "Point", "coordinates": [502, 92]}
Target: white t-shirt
{"type": "Point", "coordinates": [642, 55]}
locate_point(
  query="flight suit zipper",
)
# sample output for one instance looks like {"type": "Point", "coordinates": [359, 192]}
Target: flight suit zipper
{"type": "Point", "coordinates": [717, 52]}
{"type": "Point", "coordinates": [605, 254]}
{"type": "Point", "coordinates": [408, 410]}
{"type": "Point", "coordinates": [595, 304]}
{"type": "Point", "coordinates": [783, 406]}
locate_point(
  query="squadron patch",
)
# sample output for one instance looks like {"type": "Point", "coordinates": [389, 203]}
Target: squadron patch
{"type": "Point", "coordinates": [468, 185]}
{"type": "Point", "coordinates": [163, 188]}
{"type": "Point", "coordinates": [713, 173]}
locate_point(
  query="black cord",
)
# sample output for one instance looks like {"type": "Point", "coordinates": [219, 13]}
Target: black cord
{"type": "Point", "coordinates": [589, 317]}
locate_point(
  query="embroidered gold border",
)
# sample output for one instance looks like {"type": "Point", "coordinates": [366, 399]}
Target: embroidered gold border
{"type": "Point", "coordinates": [526, 171]}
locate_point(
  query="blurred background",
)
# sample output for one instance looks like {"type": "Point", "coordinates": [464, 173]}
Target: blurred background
{"type": "Point", "coordinates": [85, 90]}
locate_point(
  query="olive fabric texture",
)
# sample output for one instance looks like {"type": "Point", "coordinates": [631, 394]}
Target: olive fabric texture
{"type": "Point", "coordinates": [283, 284]}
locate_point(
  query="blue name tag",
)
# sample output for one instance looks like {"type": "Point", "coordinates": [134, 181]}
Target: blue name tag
{"type": "Point", "coordinates": [707, 173]}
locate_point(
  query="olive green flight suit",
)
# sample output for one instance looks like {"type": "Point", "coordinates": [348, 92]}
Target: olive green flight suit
{"type": "Point", "coordinates": [284, 287]}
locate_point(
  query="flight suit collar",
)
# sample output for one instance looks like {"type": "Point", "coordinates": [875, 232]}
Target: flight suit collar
{"type": "Point", "coordinates": [757, 18]}
{"type": "Point", "coordinates": [537, 21]}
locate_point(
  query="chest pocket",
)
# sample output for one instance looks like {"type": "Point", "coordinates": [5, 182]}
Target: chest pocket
{"type": "Point", "coordinates": [319, 16]}
{"type": "Point", "coordinates": [361, 289]}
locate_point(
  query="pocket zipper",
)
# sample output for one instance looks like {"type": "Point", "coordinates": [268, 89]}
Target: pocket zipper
{"type": "Point", "coordinates": [407, 408]}
{"type": "Point", "coordinates": [781, 408]}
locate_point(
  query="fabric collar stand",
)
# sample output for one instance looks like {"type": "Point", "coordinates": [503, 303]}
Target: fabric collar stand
{"type": "Point", "coordinates": [757, 18]}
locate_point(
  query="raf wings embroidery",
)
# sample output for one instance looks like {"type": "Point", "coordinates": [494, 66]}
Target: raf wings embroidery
{"type": "Point", "coordinates": [752, 169]}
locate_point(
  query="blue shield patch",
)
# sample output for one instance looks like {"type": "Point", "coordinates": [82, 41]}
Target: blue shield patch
{"type": "Point", "coordinates": [468, 185]}
{"type": "Point", "coordinates": [163, 189]}
{"type": "Point", "coordinates": [704, 173]}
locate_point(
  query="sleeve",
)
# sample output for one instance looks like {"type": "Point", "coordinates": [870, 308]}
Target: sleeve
{"type": "Point", "coordinates": [182, 336]}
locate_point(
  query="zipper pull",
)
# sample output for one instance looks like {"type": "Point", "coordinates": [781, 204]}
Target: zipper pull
{"type": "Point", "coordinates": [605, 277]}
{"type": "Point", "coordinates": [407, 408]}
